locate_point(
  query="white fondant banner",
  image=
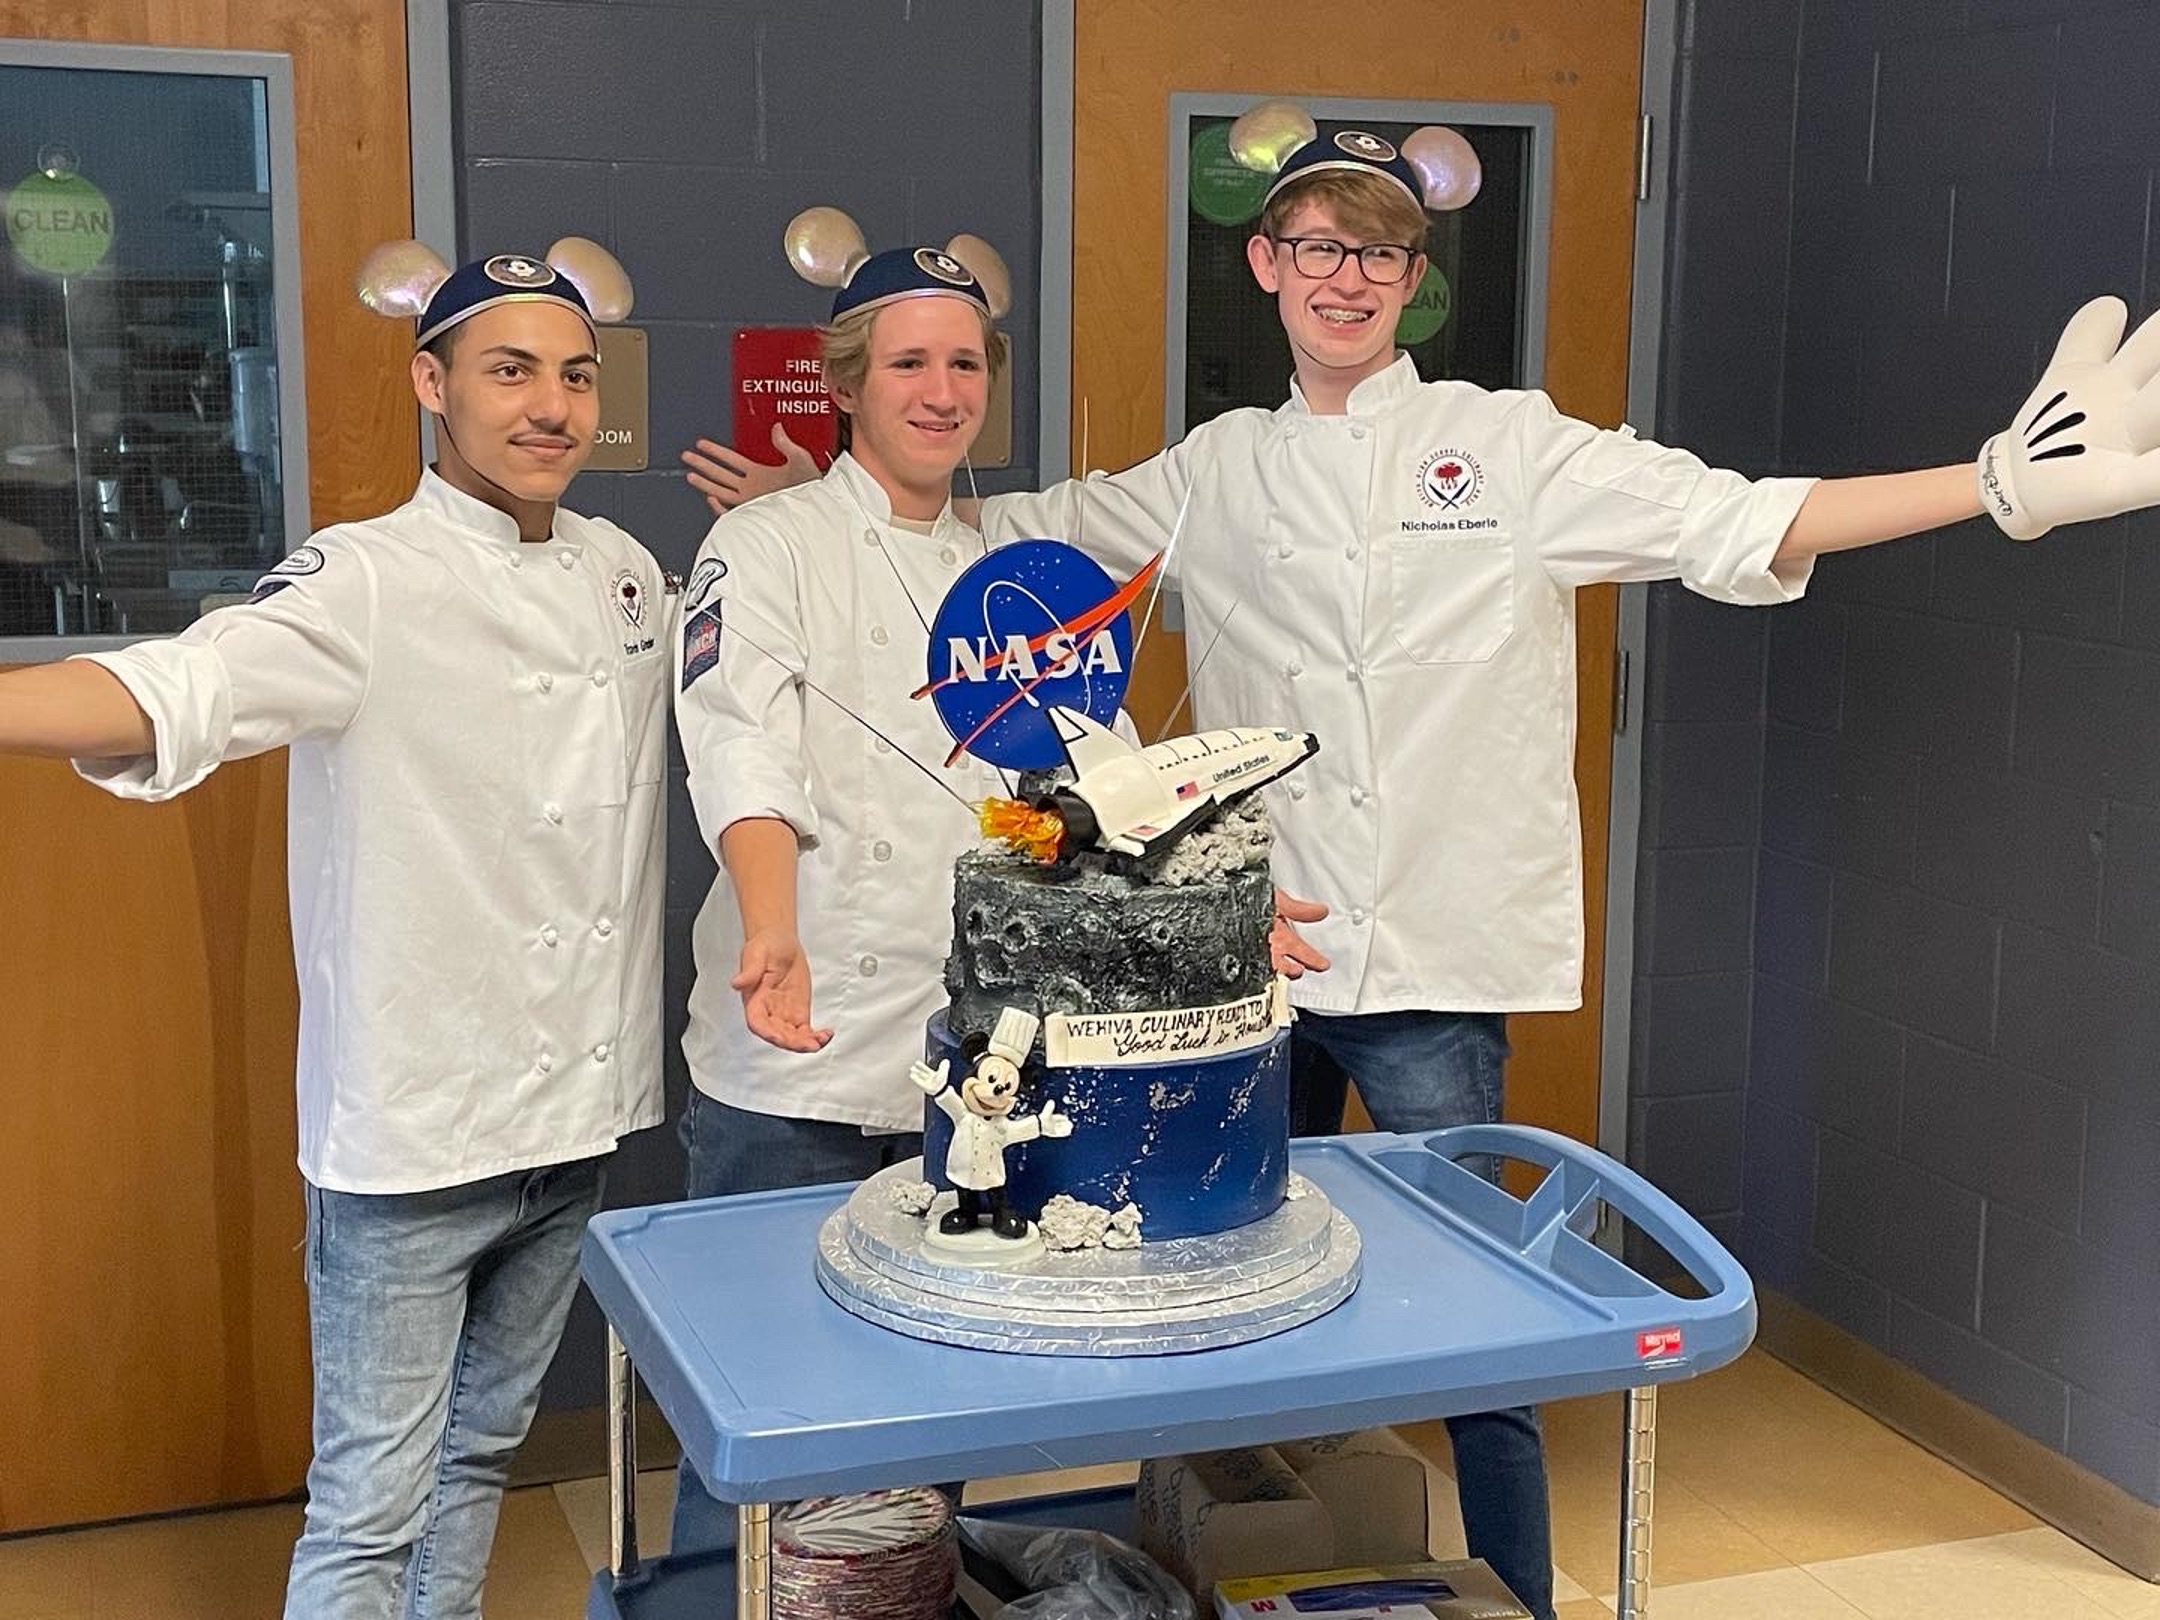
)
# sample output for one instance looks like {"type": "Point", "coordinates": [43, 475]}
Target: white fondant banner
{"type": "Point", "coordinates": [1072, 1040]}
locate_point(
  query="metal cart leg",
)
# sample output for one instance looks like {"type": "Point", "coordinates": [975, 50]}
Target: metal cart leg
{"type": "Point", "coordinates": [622, 1458]}
{"type": "Point", "coordinates": [1638, 1459]}
{"type": "Point", "coordinates": [753, 1561]}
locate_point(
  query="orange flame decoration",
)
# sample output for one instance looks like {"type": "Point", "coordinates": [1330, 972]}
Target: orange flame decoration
{"type": "Point", "coordinates": [1036, 833]}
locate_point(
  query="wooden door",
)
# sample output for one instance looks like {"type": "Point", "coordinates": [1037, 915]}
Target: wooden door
{"type": "Point", "coordinates": [155, 1354]}
{"type": "Point", "coordinates": [1130, 56]}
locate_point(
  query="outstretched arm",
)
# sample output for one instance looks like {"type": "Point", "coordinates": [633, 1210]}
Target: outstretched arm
{"type": "Point", "coordinates": [72, 710]}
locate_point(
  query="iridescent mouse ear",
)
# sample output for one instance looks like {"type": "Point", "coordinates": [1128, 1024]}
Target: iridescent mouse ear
{"type": "Point", "coordinates": [987, 266]}
{"type": "Point", "coordinates": [397, 279]}
{"type": "Point", "coordinates": [1447, 166]}
{"type": "Point", "coordinates": [1264, 138]}
{"type": "Point", "coordinates": [825, 246]}
{"type": "Point", "coordinates": [596, 273]}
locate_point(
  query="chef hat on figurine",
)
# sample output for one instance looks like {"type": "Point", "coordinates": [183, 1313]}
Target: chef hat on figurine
{"type": "Point", "coordinates": [827, 249]}
{"type": "Point", "coordinates": [409, 281]}
{"type": "Point", "coordinates": [1435, 167]}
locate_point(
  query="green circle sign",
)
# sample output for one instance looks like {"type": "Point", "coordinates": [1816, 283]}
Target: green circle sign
{"type": "Point", "coordinates": [1223, 190]}
{"type": "Point", "coordinates": [60, 224]}
{"type": "Point", "coordinates": [1428, 309]}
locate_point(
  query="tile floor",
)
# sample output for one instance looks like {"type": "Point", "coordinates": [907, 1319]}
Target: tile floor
{"type": "Point", "coordinates": [1774, 1499]}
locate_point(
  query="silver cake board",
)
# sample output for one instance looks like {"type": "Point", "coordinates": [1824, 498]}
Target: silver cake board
{"type": "Point", "coordinates": [1196, 1293]}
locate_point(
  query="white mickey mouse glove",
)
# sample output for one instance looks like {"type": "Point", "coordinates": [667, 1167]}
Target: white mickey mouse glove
{"type": "Point", "coordinates": [932, 1081]}
{"type": "Point", "coordinates": [1054, 1123]}
{"type": "Point", "coordinates": [2084, 444]}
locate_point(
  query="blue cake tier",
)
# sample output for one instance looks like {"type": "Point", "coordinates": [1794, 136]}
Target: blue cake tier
{"type": "Point", "coordinates": [1199, 1146]}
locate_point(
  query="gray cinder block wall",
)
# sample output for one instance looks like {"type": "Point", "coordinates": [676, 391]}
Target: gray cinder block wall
{"type": "Point", "coordinates": [1929, 795]}
{"type": "Point", "coordinates": [684, 136]}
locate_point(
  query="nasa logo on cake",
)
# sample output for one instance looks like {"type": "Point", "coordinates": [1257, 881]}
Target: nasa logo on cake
{"type": "Point", "coordinates": [1031, 626]}
{"type": "Point", "coordinates": [515, 270]}
{"type": "Point", "coordinates": [944, 266]}
{"type": "Point", "coordinates": [1451, 480]}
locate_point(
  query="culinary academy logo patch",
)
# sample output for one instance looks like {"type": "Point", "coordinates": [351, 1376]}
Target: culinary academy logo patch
{"type": "Point", "coordinates": [515, 270]}
{"type": "Point", "coordinates": [630, 599]}
{"type": "Point", "coordinates": [1451, 480]}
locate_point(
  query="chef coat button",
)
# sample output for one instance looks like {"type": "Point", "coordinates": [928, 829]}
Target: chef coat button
{"type": "Point", "coordinates": [600, 1052]}
{"type": "Point", "coordinates": [1351, 552]}
{"type": "Point", "coordinates": [1358, 796]}
{"type": "Point", "coordinates": [599, 677]}
{"type": "Point", "coordinates": [1358, 916]}
{"type": "Point", "coordinates": [1283, 550]}
{"type": "Point", "coordinates": [867, 967]}
{"type": "Point", "coordinates": [604, 928]}
{"type": "Point", "coordinates": [549, 937]}
{"type": "Point", "coordinates": [516, 561]}
{"type": "Point", "coordinates": [553, 812]}
{"type": "Point", "coordinates": [544, 681]}
{"type": "Point", "coordinates": [567, 561]}
{"type": "Point", "coordinates": [878, 635]}
{"type": "Point", "coordinates": [544, 1063]}
{"type": "Point", "coordinates": [1357, 431]}
{"type": "Point", "coordinates": [947, 556]}
{"type": "Point", "coordinates": [869, 537]}
{"type": "Point", "coordinates": [1297, 790]}
{"type": "Point", "coordinates": [1353, 674]}
{"type": "Point", "coordinates": [1293, 669]}
{"type": "Point", "coordinates": [881, 851]}
{"type": "Point", "coordinates": [882, 746]}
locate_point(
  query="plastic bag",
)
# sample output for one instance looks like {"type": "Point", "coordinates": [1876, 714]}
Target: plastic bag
{"type": "Point", "coordinates": [1076, 1574]}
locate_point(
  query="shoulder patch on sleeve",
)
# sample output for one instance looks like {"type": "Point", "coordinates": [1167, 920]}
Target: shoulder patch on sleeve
{"type": "Point", "coordinates": [302, 561]}
{"type": "Point", "coordinates": [268, 586]}
{"type": "Point", "coordinates": [701, 644]}
{"type": "Point", "coordinates": [704, 580]}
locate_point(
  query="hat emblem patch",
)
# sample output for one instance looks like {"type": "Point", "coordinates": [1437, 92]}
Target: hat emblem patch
{"type": "Point", "coordinates": [1359, 144]}
{"type": "Point", "coordinates": [944, 266]}
{"type": "Point", "coordinates": [515, 270]}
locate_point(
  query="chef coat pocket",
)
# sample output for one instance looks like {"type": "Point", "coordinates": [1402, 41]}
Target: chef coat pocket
{"type": "Point", "coordinates": [646, 692]}
{"type": "Point", "coordinates": [1452, 597]}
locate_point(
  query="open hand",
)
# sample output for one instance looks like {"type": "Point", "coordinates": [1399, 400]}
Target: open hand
{"type": "Point", "coordinates": [727, 478]}
{"type": "Point", "coordinates": [774, 981]}
{"type": "Point", "coordinates": [2086, 443]}
{"type": "Point", "coordinates": [1293, 954]}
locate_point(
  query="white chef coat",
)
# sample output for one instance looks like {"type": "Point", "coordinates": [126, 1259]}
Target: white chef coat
{"type": "Point", "coordinates": [479, 746]}
{"type": "Point", "coordinates": [1400, 581]}
{"type": "Point", "coordinates": [820, 585]}
{"type": "Point", "coordinates": [976, 1157]}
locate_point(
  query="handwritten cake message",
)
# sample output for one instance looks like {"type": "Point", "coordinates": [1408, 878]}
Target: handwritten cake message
{"type": "Point", "coordinates": [1072, 1040]}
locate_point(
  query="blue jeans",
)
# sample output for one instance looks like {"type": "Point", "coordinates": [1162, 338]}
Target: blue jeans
{"type": "Point", "coordinates": [732, 1150]}
{"type": "Point", "coordinates": [434, 1316]}
{"type": "Point", "coordinates": [1420, 1071]}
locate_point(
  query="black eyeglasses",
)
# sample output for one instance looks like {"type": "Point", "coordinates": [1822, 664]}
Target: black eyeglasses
{"type": "Point", "coordinates": [1384, 263]}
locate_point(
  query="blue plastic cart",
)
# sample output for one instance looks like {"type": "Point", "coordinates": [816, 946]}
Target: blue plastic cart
{"type": "Point", "coordinates": [1472, 1300]}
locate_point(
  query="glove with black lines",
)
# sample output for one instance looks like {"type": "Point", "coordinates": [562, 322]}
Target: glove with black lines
{"type": "Point", "coordinates": [2086, 444]}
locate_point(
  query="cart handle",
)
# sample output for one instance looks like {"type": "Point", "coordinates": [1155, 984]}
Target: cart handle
{"type": "Point", "coordinates": [1565, 1204]}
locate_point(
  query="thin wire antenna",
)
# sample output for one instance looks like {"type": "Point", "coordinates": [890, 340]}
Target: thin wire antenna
{"type": "Point", "coordinates": [765, 652]}
{"type": "Point", "coordinates": [1147, 616]}
{"type": "Point", "coordinates": [1080, 520]}
{"type": "Point", "coordinates": [1207, 653]}
{"type": "Point", "coordinates": [968, 462]}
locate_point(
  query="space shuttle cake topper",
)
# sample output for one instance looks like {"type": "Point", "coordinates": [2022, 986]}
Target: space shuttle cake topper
{"type": "Point", "coordinates": [1029, 658]}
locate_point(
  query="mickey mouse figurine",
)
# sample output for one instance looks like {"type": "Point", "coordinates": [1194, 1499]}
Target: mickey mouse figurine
{"type": "Point", "coordinates": [980, 1108]}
